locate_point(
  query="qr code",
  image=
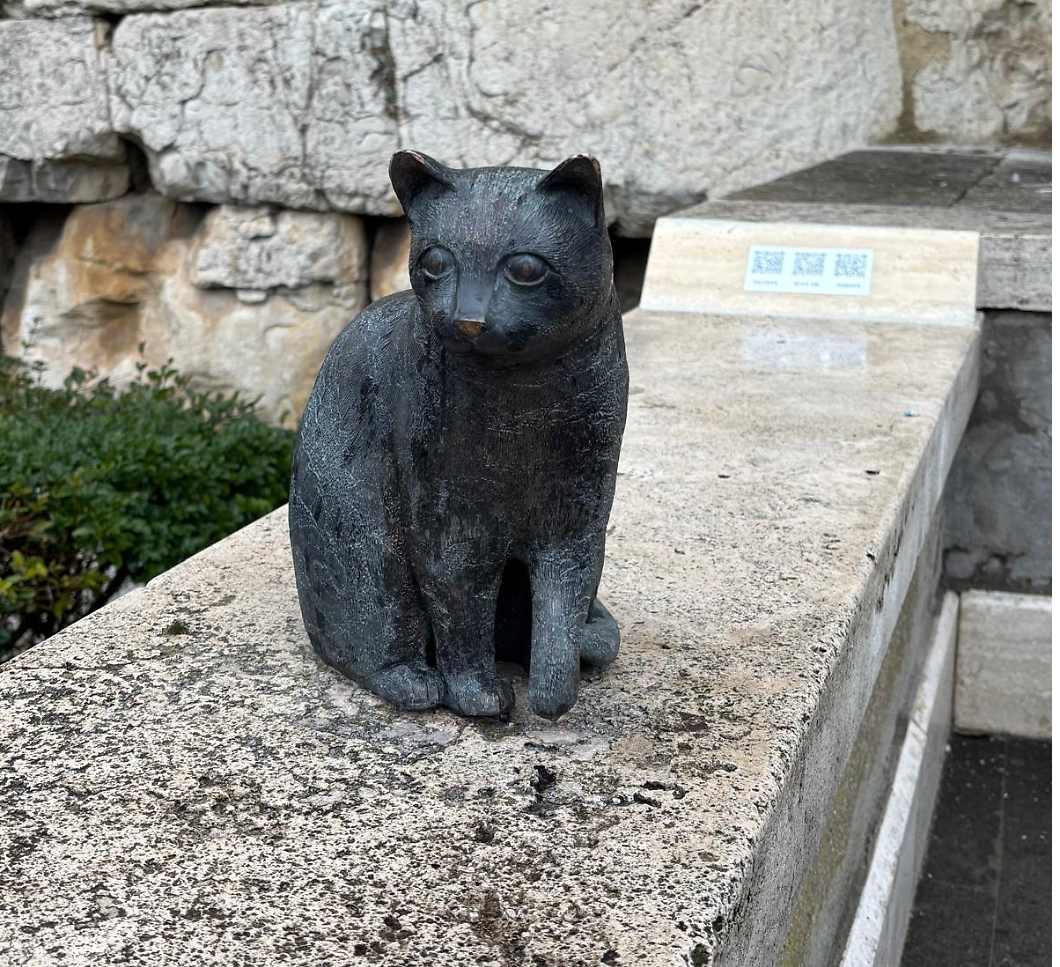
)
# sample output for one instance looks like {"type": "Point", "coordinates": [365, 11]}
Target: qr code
{"type": "Point", "coordinates": [849, 266]}
{"type": "Point", "coordinates": [809, 263]}
{"type": "Point", "coordinates": [768, 263]}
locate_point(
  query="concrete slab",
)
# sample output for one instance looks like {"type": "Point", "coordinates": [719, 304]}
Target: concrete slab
{"type": "Point", "coordinates": [183, 781]}
{"type": "Point", "coordinates": [1004, 665]}
{"type": "Point", "coordinates": [1004, 196]}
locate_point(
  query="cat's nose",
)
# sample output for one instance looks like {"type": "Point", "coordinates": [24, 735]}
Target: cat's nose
{"type": "Point", "coordinates": [469, 327]}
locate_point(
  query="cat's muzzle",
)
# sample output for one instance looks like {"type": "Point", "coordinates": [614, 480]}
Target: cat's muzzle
{"type": "Point", "coordinates": [469, 327]}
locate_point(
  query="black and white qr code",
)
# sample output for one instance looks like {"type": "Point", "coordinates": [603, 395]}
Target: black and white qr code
{"type": "Point", "coordinates": [851, 266]}
{"type": "Point", "coordinates": [768, 263]}
{"type": "Point", "coordinates": [809, 263]}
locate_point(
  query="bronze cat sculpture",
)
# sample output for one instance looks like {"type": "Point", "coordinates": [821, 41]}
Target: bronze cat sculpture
{"type": "Point", "coordinates": [456, 462]}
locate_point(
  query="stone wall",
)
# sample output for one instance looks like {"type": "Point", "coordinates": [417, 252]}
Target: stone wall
{"type": "Point", "coordinates": [282, 117]}
{"type": "Point", "coordinates": [300, 104]}
{"type": "Point", "coordinates": [239, 298]}
{"type": "Point", "coordinates": [975, 71]}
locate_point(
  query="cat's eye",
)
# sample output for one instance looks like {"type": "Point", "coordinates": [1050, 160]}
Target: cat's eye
{"type": "Point", "coordinates": [436, 262]}
{"type": "Point", "coordinates": [525, 269]}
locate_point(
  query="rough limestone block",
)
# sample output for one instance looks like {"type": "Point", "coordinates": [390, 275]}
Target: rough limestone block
{"type": "Point", "coordinates": [90, 287]}
{"type": "Point", "coordinates": [26, 9]}
{"type": "Point", "coordinates": [286, 104]}
{"type": "Point", "coordinates": [263, 249]}
{"type": "Point", "coordinates": [202, 788]}
{"type": "Point", "coordinates": [54, 114]}
{"type": "Point", "coordinates": [1004, 665]}
{"type": "Point", "coordinates": [300, 104]}
{"type": "Point", "coordinates": [992, 78]}
{"type": "Point", "coordinates": [390, 258]}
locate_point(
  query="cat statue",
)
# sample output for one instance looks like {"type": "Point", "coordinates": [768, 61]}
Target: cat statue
{"type": "Point", "coordinates": [456, 461]}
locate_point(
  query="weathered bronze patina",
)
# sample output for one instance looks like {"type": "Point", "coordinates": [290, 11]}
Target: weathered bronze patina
{"type": "Point", "coordinates": [456, 461]}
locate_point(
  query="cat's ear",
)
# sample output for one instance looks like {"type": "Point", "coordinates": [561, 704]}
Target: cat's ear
{"type": "Point", "coordinates": [579, 177]}
{"type": "Point", "coordinates": [413, 174]}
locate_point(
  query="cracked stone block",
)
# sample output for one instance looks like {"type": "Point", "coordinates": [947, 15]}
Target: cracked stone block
{"type": "Point", "coordinates": [263, 249]}
{"type": "Point", "coordinates": [27, 9]}
{"type": "Point", "coordinates": [286, 104]}
{"type": "Point", "coordinates": [90, 286]}
{"type": "Point", "coordinates": [56, 139]}
{"type": "Point", "coordinates": [301, 104]}
{"type": "Point", "coordinates": [994, 79]}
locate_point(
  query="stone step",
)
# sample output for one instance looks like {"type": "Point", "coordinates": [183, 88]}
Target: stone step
{"type": "Point", "coordinates": [184, 779]}
{"type": "Point", "coordinates": [1003, 196]}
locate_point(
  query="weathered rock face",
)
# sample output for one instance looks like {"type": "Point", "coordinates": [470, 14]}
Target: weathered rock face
{"type": "Point", "coordinates": [288, 104]}
{"type": "Point", "coordinates": [56, 139]}
{"type": "Point", "coordinates": [985, 70]}
{"type": "Point", "coordinates": [262, 249]}
{"type": "Point", "coordinates": [300, 104]}
{"type": "Point", "coordinates": [23, 9]}
{"type": "Point", "coordinates": [90, 287]}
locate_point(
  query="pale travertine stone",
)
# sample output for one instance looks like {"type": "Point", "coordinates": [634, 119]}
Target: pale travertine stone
{"type": "Point", "coordinates": [203, 788]}
{"type": "Point", "coordinates": [90, 288]}
{"type": "Point", "coordinates": [288, 104]}
{"type": "Point", "coordinates": [918, 276]}
{"type": "Point", "coordinates": [488, 83]}
{"type": "Point", "coordinates": [390, 258]}
{"type": "Point", "coordinates": [1004, 664]}
{"type": "Point", "coordinates": [1002, 195]}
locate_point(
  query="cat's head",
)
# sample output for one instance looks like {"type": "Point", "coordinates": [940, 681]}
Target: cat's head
{"type": "Point", "coordinates": [508, 264]}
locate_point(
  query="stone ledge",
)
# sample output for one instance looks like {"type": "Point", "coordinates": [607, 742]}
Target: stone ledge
{"type": "Point", "coordinates": [1004, 665]}
{"type": "Point", "coordinates": [184, 781]}
{"type": "Point", "coordinates": [1005, 197]}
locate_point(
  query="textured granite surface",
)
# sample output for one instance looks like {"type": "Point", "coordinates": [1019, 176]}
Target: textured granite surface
{"type": "Point", "coordinates": [182, 781]}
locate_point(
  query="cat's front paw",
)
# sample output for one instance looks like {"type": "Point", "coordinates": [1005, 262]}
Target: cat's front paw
{"type": "Point", "coordinates": [600, 636]}
{"type": "Point", "coordinates": [479, 694]}
{"type": "Point", "coordinates": [412, 685]}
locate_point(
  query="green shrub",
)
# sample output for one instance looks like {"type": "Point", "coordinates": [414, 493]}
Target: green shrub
{"type": "Point", "coordinates": [99, 485]}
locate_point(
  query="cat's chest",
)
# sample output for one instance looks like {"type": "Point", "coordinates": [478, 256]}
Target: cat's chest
{"type": "Point", "coordinates": [505, 449]}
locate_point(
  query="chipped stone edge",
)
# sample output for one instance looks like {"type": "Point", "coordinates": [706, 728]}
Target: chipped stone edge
{"type": "Point", "coordinates": [877, 934]}
{"type": "Point", "coordinates": [792, 831]}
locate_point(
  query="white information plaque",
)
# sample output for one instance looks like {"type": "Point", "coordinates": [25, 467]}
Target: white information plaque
{"type": "Point", "coordinates": [821, 271]}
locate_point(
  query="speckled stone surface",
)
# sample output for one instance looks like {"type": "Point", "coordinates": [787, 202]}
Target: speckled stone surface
{"type": "Point", "coordinates": [183, 782]}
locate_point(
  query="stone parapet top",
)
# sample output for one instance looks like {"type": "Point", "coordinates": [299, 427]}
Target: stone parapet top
{"type": "Point", "coordinates": [1006, 196]}
{"type": "Point", "coordinates": [182, 781]}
